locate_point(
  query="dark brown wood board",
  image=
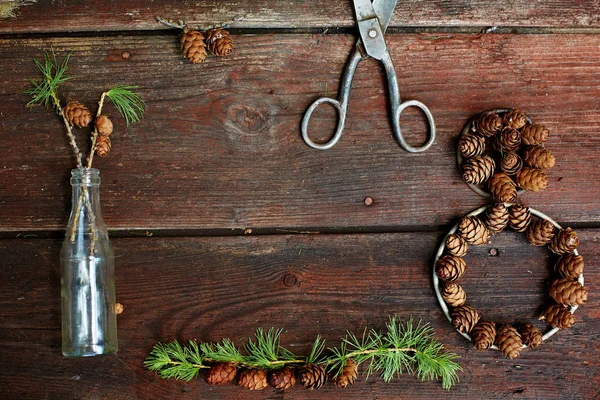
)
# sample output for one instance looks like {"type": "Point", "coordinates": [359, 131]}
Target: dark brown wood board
{"type": "Point", "coordinates": [126, 15]}
{"type": "Point", "coordinates": [209, 288]}
{"type": "Point", "coordinates": [220, 149]}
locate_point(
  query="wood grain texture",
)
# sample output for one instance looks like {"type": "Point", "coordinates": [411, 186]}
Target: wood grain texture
{"type": "Point", "coordinates": [49, 16]}
{"type": "Point", "coordinates": [209, 288]}
{"type": "Point", "coordinates": [220, 149]}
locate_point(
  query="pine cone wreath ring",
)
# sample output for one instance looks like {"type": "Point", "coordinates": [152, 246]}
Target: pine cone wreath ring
{"type": "Point", "coordinates": [566, 287]}
{"type": "Point", "coordinates": [501, 154]}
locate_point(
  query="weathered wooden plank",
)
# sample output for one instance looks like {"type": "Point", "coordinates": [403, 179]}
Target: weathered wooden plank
{"type": "Point", "coordinates": [208, 288]}
{"type": "Point", "coordinates": [48, 16]}
{"type": "Point", "coordinates": [220, 146]}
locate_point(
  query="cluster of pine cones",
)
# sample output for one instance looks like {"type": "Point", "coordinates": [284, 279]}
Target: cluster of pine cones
{"type": "Point", "coordinates": [79, 115]}
{"type": "Point", "coordinates": [566, 290]}
{"type": "Point", "coordinates": [506, 151]}
{"type": "Point", "coordinates": [195, 44]}
{"type": "Point", "coordinates": [311, 376]}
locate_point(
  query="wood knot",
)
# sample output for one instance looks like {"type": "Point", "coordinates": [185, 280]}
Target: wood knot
{"type": "Point", "coordinates": [245, 119]}
{"type": "Point", "coordinates": [290, 280]}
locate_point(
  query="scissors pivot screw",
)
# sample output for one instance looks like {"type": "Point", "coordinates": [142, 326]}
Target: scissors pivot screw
{"type": "Point", "coordinates": [372, 33]}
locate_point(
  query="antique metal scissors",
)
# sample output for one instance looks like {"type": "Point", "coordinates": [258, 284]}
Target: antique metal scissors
{"type": "Point", "coordinates": [373, 19]}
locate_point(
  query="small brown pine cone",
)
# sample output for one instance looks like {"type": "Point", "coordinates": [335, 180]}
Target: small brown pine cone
{"type": "Point", "coordinates": [464, 318]}
{"type": "Point", "coordinates": [515, 119]}
{"type": "Point", "coordinates": [283, 378]}
{"type": "Point", "coordinates": [484, 335]}
{"type": "Point", "coordinates": [558, 316]}
{"type": "Point", "coordinates": [519, 217]}
{"type": "Point", "coordinates": [511, 163]}
{"type": "Point", "coordinates": [502, 188]}
{"type": "Point", "coordinates": [533, 134]}
{"type": "Point", "coordinates": [540, 233]}
{"type": "Point", "coordinates": [530, 335]}
{"type": "Point", "coordinates": [253, 379]}
{"type": "Point", "coordinates": [193, 45]}
{"type": "Point", "coordinates": [565, 241]}
{"type": "Point", "coordinates": [496, 218]}
{"type": "Point", "coordinates": [219, 42]}
{"type": "Point", "coordinates": [348, 375]}
{"type": "Point", "coordinates": [312, 376]}
{"type": "Point", "coordinates": [104, 125]}
{"type": "Point", "coordinates": [77, 114]}
{"type": "Point", "coordinates": [220, 374]}
{"type": "Point", "coordinates": [450, 268]}
{"type": "Point", "coordinates": [103, 146]}
{"type": "Point", "coordinates": [538, 157]}
{"type": "Point", "coordinates": [478, 169]}
{"type": "Point", "coordinates": [570, 266]}
{"type": "Point", "coordinates": [509, 342]}
{"type": "Point", "coordinates": [508, 139]}
{"type": "Point", "coordinates": [532, 179]}
{"type": "Point", "coordinates": [453, 294]}
{"type": "Point", "coordinates": [568, 292]}
{"type": "Point", "coordinates": [456, 245]}
{"type": "Point", "coordinates": [473, 230]}
{"type": "Point", "coordinates": [488, 124]}
{"type": "Point", "coordinates": [471, 145]}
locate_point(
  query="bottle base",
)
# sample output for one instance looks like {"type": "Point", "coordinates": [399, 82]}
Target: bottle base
{"type": "Point", "coordinates": [89, 351]}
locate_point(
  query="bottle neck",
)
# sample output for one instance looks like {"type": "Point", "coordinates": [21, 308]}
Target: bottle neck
{"type": "Point", "coordinates": [86, 213]}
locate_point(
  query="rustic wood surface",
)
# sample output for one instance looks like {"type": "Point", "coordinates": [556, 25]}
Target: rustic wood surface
{"type": "Point", "coordinates": [209, 198]}
{"type": "Point", "coordinates": [209, 288]}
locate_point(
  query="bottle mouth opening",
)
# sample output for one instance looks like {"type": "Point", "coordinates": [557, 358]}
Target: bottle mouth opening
{"type": "Point", "coordinates": [85, 176]}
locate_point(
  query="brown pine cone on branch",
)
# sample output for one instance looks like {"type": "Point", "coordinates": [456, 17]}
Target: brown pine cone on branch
{"type": "Point", "coordinates": [533, 134]}
{"type": "Point", "coordinates": [473, 230]}
{"type": "Point", "coordinates": [530, 336]}
{"type": "Point", "coordinates": [515, 119]}
{"type": "Point", "coordinates": [568, 292]}
{"type": "Point", "coordinates": [509, 342]}
{"type": "Point", "coordinates": [538, 157]}
{"type": "Point", "coordinates": [532, 179]}
{"type": "Point", "coordinates": [77, 114]}
{"type": "Point", "coordinates": [193, 45]}
{"type": "Point", "coordinates": [312, 376]}
{"type": "Point", "coordinates": [283, 378]}
{"type": "Point", "coordinates": [450, 268]}
{"type": "Point", "coordinates": [478, 169]}
{"type": "Point", "coordinates": [348, 375]}
{"type": "Point", "coordinates": [453, 294]}
{"type": "Point", "coordinates": [103, 146]}
{"type": "Point", "coordinates": [511, 163]}
{"type": "Point", "coordinates": [508, 139]}
{"type": "Point", "coordinates": [456, 245]}
{"type": "Point", "coordinates": [104, 125]}
{"type": "Point", "coordinates": [488, 124]}
{"type": "Point", "coordinates": [558, 316]}
{"type": "Point", "coordinates": [519, 217]}
{"type": "Point", "coordinates": [220, 374]}
{"type": "Point", "coordinates": [253, 379]}
{"type": "Point", "coordinates": [471, 145]}
{"type": "Point", "coordinates": [565, 241]}
{"type": "Point", "coordinates": [219, 42]}
{"type": "Point", "coordinates": [502, 188]}
{"type": "Point", "coordinates": [464, 318]}
{"type": "Point", "coordinates": [570, 266]}
{"type": "Point", "coordinates": [540, 233]}
{"type": "Point", "coordinates": [484, 335]}
{"type": "Point", "coordinates": [496, 218]}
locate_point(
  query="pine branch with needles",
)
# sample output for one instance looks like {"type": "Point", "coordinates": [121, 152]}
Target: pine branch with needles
{"type": "Point", "coordinates": [402, 348]}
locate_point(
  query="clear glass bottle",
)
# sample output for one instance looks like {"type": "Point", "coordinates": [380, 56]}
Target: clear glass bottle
{"type": "Point", "coordinates": [89, 322]}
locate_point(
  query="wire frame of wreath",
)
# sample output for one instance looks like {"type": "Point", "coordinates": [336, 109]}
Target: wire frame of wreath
{"type": "Point", "coordinates": [442, 248]}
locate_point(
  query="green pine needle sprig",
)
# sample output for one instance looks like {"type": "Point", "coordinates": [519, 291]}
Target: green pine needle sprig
{"type": "Point", "coordinates": [45, 89]}
{"type": "Point", "coordinates": [402, 348]}
{"type": "Point", "coordinates": [128, 103]}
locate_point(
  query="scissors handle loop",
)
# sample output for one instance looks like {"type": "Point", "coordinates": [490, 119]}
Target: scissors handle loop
{"type": "Point", "coordinates": [341, 111]}
{"type": "Point", "coordinates": [430, 125]}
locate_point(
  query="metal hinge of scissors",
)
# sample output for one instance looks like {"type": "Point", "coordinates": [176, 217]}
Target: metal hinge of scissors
{"type": "Point", "coordinates": [373, 19]}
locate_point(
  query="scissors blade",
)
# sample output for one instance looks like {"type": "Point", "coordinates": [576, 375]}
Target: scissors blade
{"type": "Point", "coordinates": [384, 9]}
{"type": "Point", "coordinates": [371, 32]}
